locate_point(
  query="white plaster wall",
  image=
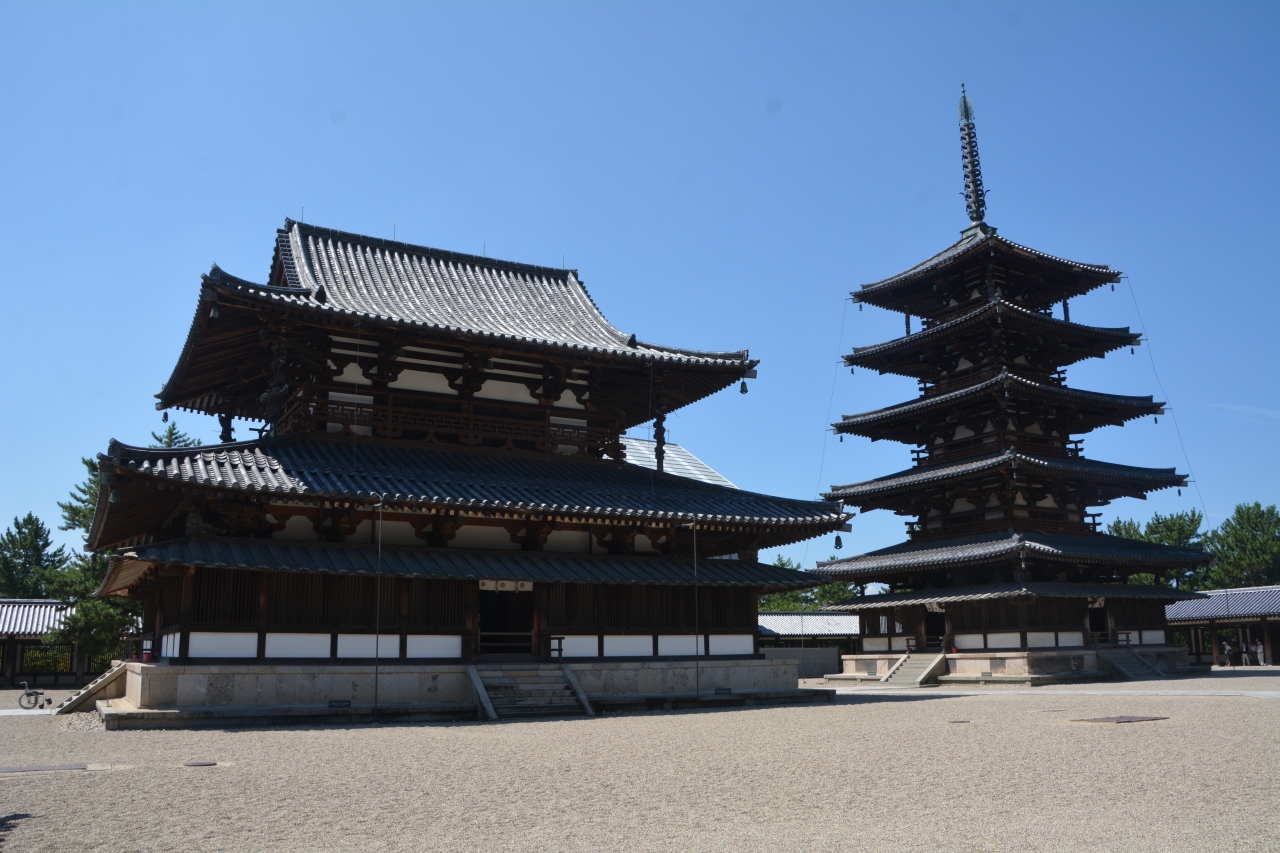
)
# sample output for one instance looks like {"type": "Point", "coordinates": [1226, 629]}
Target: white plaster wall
{"type": "Point", "coordinates": [881, 644]}
{"type": "Point", "coordinates": [1006, 640]}
{"type": "Point", "coordinates": [732, 644]}
{"type": "Point", "coordinates": [511, 392]}
{"type": "Point", "coordinates": [968, 641]}
{"type": "Point", "coordinates": [1041, 639]}
{"type": "Point", "coordinates": [421, 380]}
{"type": "Point", "coordinates": [644, 545]}
{"type": "Point", "coordinates": [483, 538]}
{"type": "Point", "coordinates": [1152, 638]}
{"type": "Point", "coordinates": [569, 542]}
{"type": "Point", "coordinates": [1071, 638]}
{"type": "Point", "coordinates": [362, 646]}
{"type": "Point", "coordinates": [351, 373]}
{"type": "Point", "coordinates": [399, 533]}
{"type": "Point", "coordinates": [433, 646]}
{"type": "Point", "coordinates": [641, 646]}
{"type": "Point", "coordinates": [898, 644]}
{"type": "Point", "coordinates": [581, 647]}
{"type": "Point", "coordinates": [299, 528]}
{"type": "Point", "coordinates": [298, 645]}
{"type": "Point", "coordinates": [209, 644]}
{"type": "Point", "coordinates": [680, 644]}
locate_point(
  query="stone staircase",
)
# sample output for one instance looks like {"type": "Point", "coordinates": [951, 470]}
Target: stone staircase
{"type": "Point", "coordinates": [103, 687]}
{"type": "Point", "coordinates": [518, 690]}
{"type": "Point", "coordinates": [910, 670]}
{"type": "Point", "coordinates": [1130, 666]}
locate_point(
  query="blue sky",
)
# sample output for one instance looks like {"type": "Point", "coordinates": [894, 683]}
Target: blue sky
{"type": "Point", "coordinates": [722, 175]}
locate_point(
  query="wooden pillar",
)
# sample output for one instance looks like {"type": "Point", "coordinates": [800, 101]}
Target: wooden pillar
{"type": "Point", "coordinates": [1266, 641]}
{"type": "Point", "coordinates": [1213, 642]}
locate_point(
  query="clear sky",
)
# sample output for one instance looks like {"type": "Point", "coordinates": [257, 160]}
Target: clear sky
{"type": "Point", "coordinates": [721, 174]}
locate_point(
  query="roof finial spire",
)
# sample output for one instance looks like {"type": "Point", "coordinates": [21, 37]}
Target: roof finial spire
{"type": "Point", "coordinates": [975, 197]}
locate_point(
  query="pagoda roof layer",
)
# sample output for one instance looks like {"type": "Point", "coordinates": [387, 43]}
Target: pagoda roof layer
{"type": "Point", "coordinates": [989, 592]}
{"type": "Point", "coordinates": [978, 244]}
{"type": "Point", "coordinates": [444, 563]}
{"type": "Point", "coordinates": [985, 548]}
{"type": "Point", "coordinates": [903, 417]}
{"type": "Point", "coordinates": [1084, 341]}
{"type": "Point", "coordinates": [1072, 468]}
{"type": "Point", "coordinates": [311, 470]}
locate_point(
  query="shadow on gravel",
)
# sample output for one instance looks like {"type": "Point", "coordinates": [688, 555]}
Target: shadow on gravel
{"type": "Point", "coordinates": [7, 823]}
{"type": "Point", "coordinates": [863, 698]}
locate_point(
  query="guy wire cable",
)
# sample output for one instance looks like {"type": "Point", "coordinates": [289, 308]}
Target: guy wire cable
{"type": "Point", "coordinates": [1173, 411]}
{"type": "Point", "coordinates": [835, 376]}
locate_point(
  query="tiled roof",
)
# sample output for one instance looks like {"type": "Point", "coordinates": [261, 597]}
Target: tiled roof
{"type": "Point", "coordinates": [31, 617]}
{"type": "Point", "coordinates": [297, 467]}
{"type": "Point", "coordinates": [808, 623]}
{"type": "Point", "coordinates": [1078, 468]}
{"type": "Point", "coordinates": [973, 240]}
{"type": "Point", "coordinates": [1015, 316]}
{"type": "Point", "coordinates": [1010, 590]}
{"type": "Point", "coordinates": [1094, 548]}
{"type": "Point", "coordinates": [1128, 407]}
{"type": "Point", "coordinates": [448, 563]}
{"type": "Point", "coordinates": [678, 461]}
{"type": "Point", "coordinates": [335, 272]}
{"type": "Point", "coordinates": [1226, 604]}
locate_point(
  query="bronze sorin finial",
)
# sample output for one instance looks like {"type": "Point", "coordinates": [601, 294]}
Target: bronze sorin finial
{"type": "Point", "coordinates": [975, 198]}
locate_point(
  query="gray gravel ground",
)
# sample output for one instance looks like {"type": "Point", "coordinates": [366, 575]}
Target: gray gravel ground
{"type": "Point", "coordinates": [874, 771]}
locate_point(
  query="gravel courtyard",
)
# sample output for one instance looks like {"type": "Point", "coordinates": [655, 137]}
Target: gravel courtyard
{"type": "Point", "coordinates": [877, 770]}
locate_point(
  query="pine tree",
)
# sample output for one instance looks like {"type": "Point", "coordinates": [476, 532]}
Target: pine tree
{"type": "Point", "coordinates": [173, 437]}
{"type": "Point", "coordinates": [1246, 548]}
{"type": "Point", "coordinates": [1179, 529]}
{"type": "Point", "coordinates": [28, 558]}
{"type": "Point", "coordinates": [97, 625]}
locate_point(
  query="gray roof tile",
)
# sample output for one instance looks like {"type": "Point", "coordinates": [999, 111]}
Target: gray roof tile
{"type": "Point", "coordinates": [1010, 590]}
{"type": "Point", "coordinates": [1227, 604]}
{"type": "Point", "coordinates": [990, 547]}
{"type": "Point", "coordinates": [448, 563]}
{"type": "Point", "coordinates": [31, 617]}
{"type": "Point", "coordinates": [294, 466]}
{"type": "Point", "coordinates": [808, 623]}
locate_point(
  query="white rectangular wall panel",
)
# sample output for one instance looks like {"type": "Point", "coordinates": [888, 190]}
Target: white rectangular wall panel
{"type": "Point", "coordinates": [581, 647]}
{"type": "Point", "coordinates": [1006, 640]}
{"type": "Point", "coordinates": [1041, 639]}
{"type": "Point", "coordinates": [967, 642]}
{"type": "Point", "coordinates": [680, 644]}
{"type": "Point", "coordinates": [298, 645]}
{"type": "Point", "coordinates": [898, 644]}
{"type": "Point", "coordinates": [433, 646]}
{"type": "Point", "coordinates": [876, 644]}
{"type": "Point", "coordinates": [633, 646]}
{"type": "Point", "coordinates": [1071, 638]}
{"type": "Point", "coordinates": [209, 644]}
{"type": "Point", "coordinates": [732, 644]}
{"type": "Point", "coordinates": [1152, 638]}
{"type": "Point", "coordinates": [362, 646]}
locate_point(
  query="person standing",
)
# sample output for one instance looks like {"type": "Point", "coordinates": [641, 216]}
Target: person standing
{"type": "Point", "coordinates": [1259, 653]}
{"type": "Point", "coordinates": [1226, 653]}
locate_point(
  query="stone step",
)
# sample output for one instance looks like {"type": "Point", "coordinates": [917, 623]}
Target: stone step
{"type": "Point", "coordinates": [557, 678]}
{"type": "Point", "coordinates": [537, 694]}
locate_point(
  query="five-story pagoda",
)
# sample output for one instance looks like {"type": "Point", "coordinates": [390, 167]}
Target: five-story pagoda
{"type": "Point", "coordinates": [1004, 568]}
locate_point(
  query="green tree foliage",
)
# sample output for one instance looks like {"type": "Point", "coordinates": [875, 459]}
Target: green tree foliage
{"type": "Point", "coordinates": [28, 559]}
{"type": "Point", "coordinates": [98, 625]}
{"type": "Point", "coordinates": [173, 437]}
{"type": "Point", "coordinates": [1246, 548]}
{"type": "Point", "coordinates": [77, 510]}
{"type": "Point", "coordinates": [809, 599]}
{"type": "Point", "coordinates": [1180, 529]}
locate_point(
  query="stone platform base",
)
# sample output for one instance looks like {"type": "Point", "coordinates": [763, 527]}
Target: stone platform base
{"type": "Point", "coordinates": [158, 695]}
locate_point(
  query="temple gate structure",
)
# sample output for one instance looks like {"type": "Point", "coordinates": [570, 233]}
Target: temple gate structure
{"type": "Point", "coordinates": [1004, 575]}
{"type": "Point", "coordinates": [440, 480]}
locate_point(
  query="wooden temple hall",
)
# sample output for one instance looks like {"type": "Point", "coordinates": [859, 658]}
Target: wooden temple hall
{"type": "Point", "coordinates": [440, 478]}
{"type": "Point", "coordinates": [1004, 572]}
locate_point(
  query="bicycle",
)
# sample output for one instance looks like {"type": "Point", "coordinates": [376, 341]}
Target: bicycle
{"type": "Point", "coordinates": [31, 699]}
